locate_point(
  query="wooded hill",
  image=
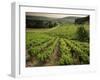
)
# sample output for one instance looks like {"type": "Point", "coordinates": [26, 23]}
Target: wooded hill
{"type": "Point", "coordinates": [46, 22]}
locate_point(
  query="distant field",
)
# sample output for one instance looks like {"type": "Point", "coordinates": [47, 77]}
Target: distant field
{"type": "Point", "coordinates": [41, 29]}
{"type": "Point", "coordinates": [60, 45]}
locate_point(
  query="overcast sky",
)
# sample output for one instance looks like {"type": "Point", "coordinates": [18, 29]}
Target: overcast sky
{"type": "Point", "coordinates": [54, 15]}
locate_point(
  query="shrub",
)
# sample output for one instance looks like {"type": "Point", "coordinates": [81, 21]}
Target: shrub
{"type": "Point", "coordinates": [82, 34]}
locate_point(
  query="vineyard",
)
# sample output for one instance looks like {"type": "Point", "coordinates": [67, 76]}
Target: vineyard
{"type": "Point", "coordinates": [58, 46]}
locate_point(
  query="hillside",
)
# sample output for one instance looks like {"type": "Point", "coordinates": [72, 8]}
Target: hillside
{"type": "Point", "coordinates": [48, 22]}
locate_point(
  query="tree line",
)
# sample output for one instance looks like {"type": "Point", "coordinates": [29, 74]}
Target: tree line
{"type": "Point", "coordinates": [40, 24]}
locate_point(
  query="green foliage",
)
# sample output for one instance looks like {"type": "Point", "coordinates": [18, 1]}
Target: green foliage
{"type": "Point", "coordinates": [83, 55]}
{"type": "Point", "coordinates": [40, 24]}
{"type": "Point", "coordinates": [82, 34]}
{"type": "Point", "coordinates": [37, 49]}
{"type": "Point", "coordinates": [66, 57]}
{"type": "Point", "coordinates": [64, 31]}
{"type": "Point", "coordinates": [72, 41]}
{"type": "Point", "coordinates": [43, 56]}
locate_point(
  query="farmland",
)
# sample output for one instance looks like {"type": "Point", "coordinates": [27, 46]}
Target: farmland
{"type": "Point", "coordinates": [64, 44]}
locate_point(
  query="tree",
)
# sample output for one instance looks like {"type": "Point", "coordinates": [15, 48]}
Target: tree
{"type": "Point", "coordinates": [82, 34]}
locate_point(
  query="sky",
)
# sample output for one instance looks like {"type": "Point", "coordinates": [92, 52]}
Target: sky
{"type": "Point", "coordinates": [52, 15]}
